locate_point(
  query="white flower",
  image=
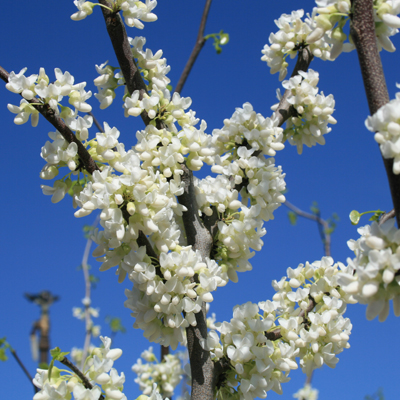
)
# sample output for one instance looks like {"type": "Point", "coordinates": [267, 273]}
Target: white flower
{"type": "Point", "coordinates": [85, 8]}
{"type": "Point", "coordinates": [386, 123]}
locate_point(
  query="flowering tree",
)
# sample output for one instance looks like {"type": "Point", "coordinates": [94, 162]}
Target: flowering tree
{"type": "Point", "coordinates": [178, 237]}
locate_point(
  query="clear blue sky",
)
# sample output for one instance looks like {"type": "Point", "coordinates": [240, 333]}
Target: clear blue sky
{"type": "Point", "coordinates": [42, 244]}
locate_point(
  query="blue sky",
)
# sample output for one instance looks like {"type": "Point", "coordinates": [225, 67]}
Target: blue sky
{"type": "Point", "coordinates": [43, 243]}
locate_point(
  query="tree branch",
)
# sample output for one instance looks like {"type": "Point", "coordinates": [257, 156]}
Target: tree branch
{"type": "Point", "coordinates": [200, 41]}
{"type": "Point", "coordinates": [323, 226]}
{"type": "Point", "coordinates": [285, 110]}
{"type": "Point", "coordinates": [99, 127]}
{"type": "Point", "coordinates": [202, 367]}
{"type": "Point", "coordinates": [119, 39]}
{"type": "Point", "coordinates": [386, 216]}
{"type": "Point", "coordinates": [88, 287]}
{"type": "Point", "coordinates": [21, 364]}
{"type": "Point", "coordinates": [82, 377]}
{"type": "Point", "coordinates": [362, 30]}
{"type": "Point", "coordinates": [276, 334]}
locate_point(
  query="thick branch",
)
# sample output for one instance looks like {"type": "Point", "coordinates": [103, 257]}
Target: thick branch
{"type": "Point", "coordinates": [200, 41]}
{"type": "Point", "coordinates": [202, 367]}
{"type": "Point", "coordinates": [286, 110]}
{"type": "Point", "coordinates": [59, 124]}
{"type": "Point", "coordinates": [323, 226]}
{"type": "Point", "coordinates": [197, 234]}
{"type": "Point", "coordinates": [362, 31]}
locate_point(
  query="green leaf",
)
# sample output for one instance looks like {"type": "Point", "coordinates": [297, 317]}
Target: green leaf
{"type": "Point", "coordinates": [314, 208]}
{"type": "Point", "coordinates": [355, 217]}
{"type": "Point", "coordinates": [292, 217]}
{"type": "Point", "coordinates": [115, 324]}
{"type": "Point", "coordinates": [377, 215]}
{"type": "Point", "coordinates": [3, 355]}
{"type": "Point", "coordinates": [57, 354]}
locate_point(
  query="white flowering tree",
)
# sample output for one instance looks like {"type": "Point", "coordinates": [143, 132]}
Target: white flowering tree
{"type": "Point", "coordinates": [178, 236]}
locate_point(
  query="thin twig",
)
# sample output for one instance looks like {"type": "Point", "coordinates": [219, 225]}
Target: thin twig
{"type": "Point", "coordinates": [200, 41]}
{"type": "Point", "coordinates": [276, 334]}
{"type": "Point", "coordinates": [323, 226]}
{"type": "Point", "coordinates": [99, 127]}
{"type": "Point", "coordinates": [88, 287]}
{"type": "Point", "coordinates": [79, 373]}
{"type": "Point", "coordinates": [21, 364]}
{"type": "Point", "coordinates": [387, 216]}
{"type": "Point", "coordinates": [285, 110]}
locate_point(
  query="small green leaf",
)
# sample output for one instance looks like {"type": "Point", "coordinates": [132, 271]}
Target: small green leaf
{"type": "Point", "coordinates": [377, 215]}
{"type": "Point", "coordinates": [57, 354]}
{"type": "Point", "coordinates": [355, 217]}
{"type": "Point", "coordinates": [115, 324]}
{"type": "Point", "coordinates": [314, 208]}
{"type": "Point", "coordinates": [292, 217]}
{"type": "Point", "coordinates": [3, 355]}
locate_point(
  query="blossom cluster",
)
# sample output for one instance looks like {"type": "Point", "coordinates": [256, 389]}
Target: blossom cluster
{"type": "Point", "coordinates": [164, 304]}
{"type": "Point", "coordinates": [86, 314]}
{"type": "Point", "coordinates": [313, 111]}
{"type": "Point", "coordinates": [386, 123]}
{"type": "Point", "coordinates": [154, 70]}
{"type": "Point", "coordinates": [136, 192]}
{"type": "Point", "coordinates": [331, 16]}
{"type": "Point", "coordinates": [304, 320]}
{"type": "Point", "coordinates": [247, 189]}
{"type": "Point", "coordinates": [290, 38]}
{"type": "Point", "coordinates": [373, 275]}
{"type": "Point", "coordinates": [99, 371]}
{"type": "Point", "coordinates": [306, 393]}
{"type": "Point", "coordinates": [49, 93]}
{"type": "Point", "coordinates": [166, 374]}
{"type": "Point", "coordinates": [323, 32]}
{"type": "Point", "coordinates": [133, 11]}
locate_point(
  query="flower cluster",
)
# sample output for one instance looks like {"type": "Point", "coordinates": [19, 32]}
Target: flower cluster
{"type": "Point", "coordinates": [165, 299]}
{"type": "Point", "coordinates": [153, 67]}
{"type": "Point", "coordinates": [313, 111]}
{"type": "Point", "coordinates": [290, 38]}
{"type": "Point", "coordinates": [304, 320]}
{"type": "Point", "coordinates": [331, 16]}
{"type": "Point", "coordinates": [248, 188]}
{"type": "Point", "coordinates": [133, 11]}
{"type": "Point", "coordinates": [386, 123]}
{"type": "Point", "coordinates": [154, 70]}
{"type": "Point", "coordinates": [329, 19]}
{"type": "Point", "coordinates": [166, 374]}
{"type": "Point", "coordinates": [373, 275]}
{"type": "Point", "coordinates": [306, 393]}
{"type": "Point", "coordinates": [99, 372]}
{"type": "Point", "coordinates": [49, 93]}
{"type": "Point", "coordinates": [87, 314]}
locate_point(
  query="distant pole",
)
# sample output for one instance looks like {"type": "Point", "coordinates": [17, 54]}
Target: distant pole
{"type": "Point", "coordinates": [44, 300]}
